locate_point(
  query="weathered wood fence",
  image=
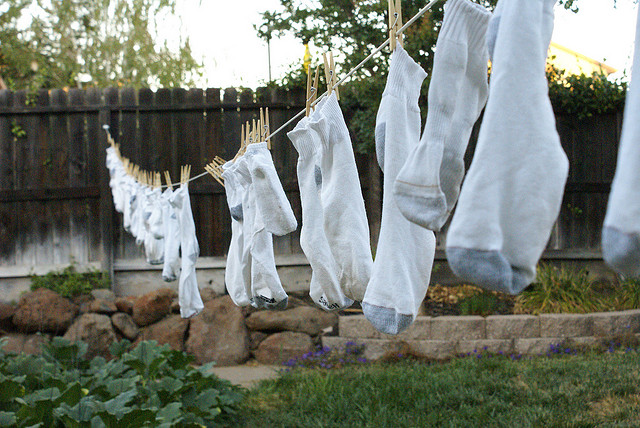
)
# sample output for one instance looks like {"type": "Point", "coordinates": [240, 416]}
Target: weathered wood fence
{"type": "Point", "coordinates": [55, 203]}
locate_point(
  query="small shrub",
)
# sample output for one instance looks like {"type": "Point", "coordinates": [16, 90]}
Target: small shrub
{"type": "Point", "coordinates": [71, 283]}
{"type": "Point", "coordinates": [560, 290]}
{"type": "Point", "coordinates": [484, 303]}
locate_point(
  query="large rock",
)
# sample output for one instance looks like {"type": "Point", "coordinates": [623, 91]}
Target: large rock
{"type": "Point", "coordinates": [103, 294]}
{"type": "Point", "coordinates": [96, 331]}
{"type": "Point", "coordinates": [153, 306]}
{"type": "Point", "coordinates": [125, 325]}
{"type": "Point", "coordinates": [125, 304]}
{"type": "Point", "coordinates": [170, 330]}
{"type": "Point", "coordinates": [44, 310]}
{"type": "Point", "coordinates": [219, 334]}
{"type": "Point", "coordinates": [6, 316]}
{"type": "Point", "coordinates": [302, 319]}
{"type": "Point", "coordinates": [280, 347]}
{"type": "Point", "coordinates": [99, 306]}
{"type": "Point", "coordinates": [24, 343]}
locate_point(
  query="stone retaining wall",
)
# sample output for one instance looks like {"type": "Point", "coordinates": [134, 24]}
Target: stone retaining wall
{"type": "Point", "coordinates": [447, 336]}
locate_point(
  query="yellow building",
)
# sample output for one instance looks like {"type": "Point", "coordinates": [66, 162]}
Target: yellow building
{"type": "Point", "coordinates": [575, 63]}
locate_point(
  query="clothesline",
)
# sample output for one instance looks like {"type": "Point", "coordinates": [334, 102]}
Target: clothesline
{"type": "Point", "coordinates": [338, 83]}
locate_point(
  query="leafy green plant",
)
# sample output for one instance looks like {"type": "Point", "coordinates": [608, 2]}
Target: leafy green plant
{"type": "Point", "coordinates": [584, 96]}
{"type": "Point", "coordinates": [483, 303]}
{"type": "Point", "coordinates": [69, 282]}
{"type": "Point", "coordinates": [150, 385]}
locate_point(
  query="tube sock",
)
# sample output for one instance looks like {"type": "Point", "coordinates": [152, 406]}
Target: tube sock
{"type": "Point", "coordinates": [188, 292]}
{"type": "Point", "coordinates": [171, 267]}
{"type": "Point", "coordinates": [345, 219]}
{"type": "Point", "coordinates": [325, 285]}
{"type": "Point", "coordinates": [621, 232]}
{"type": "Point", "coordinates": [404, 257]}
{"type": "Point", "coordinates": [428, 184]}
{"type": "Point", "coordinates": [270, 197]}
{"type": "Point", "coordinates": [266, 288]}
{"type": "Point", "coordinates": [237, 276]}
{"type": "Point", "coordinates": [513, 190]}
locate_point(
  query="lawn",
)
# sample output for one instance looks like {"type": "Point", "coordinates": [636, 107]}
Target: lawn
{"type": "Point", "coordinates": [593, 389]}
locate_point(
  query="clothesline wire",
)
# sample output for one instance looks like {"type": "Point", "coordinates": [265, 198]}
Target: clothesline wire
{"type": "Point", "coordinates": [338, 83]}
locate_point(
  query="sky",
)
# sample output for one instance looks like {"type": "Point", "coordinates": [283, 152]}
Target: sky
{"type": "Point", "coordinates": [223, 37]}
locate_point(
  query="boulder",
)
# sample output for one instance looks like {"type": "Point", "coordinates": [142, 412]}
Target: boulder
{"type": "Point", "coordinates": [6, 316]}
{"type": "Point", "coordinates": [152, 306]}
{"type": "Point", "coordinates": [256, 338]}
{"type": "Point", "coordinates": [125, 304]}
{"type": "Point", "coordinates": [99, 306]}
{"type": "Point", "coordinates": [103, 294]}
{"type": "Point", "coordinates": [207, 294]}
{"type": "Point", "coordinates": [96, 331]}
{"type": "Point", "coordinates": [125, 325]}
{"type": "Point", "coordinates": [171, 331]}
{"type": "Point", "coordinates": [24, 343]}
{"type": "Point", "coordinates": [280, 347]}
{"type": "Point", "coordinates": [44, 310]}
{"type": "Point", "coordinates": [219, 334]}
{"type": "Point", "coordinates": [302, 319]}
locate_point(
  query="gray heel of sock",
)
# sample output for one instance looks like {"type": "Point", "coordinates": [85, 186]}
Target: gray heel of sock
{"type": "Point", "coordinates": [621, 251]}
{"type": "Point", "coordinates": [487, 269]}
{"type": "Point", "coordinates": [386, 320]}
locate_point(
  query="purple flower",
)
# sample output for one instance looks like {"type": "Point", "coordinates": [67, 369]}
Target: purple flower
{"type": "Point", "coordinates": [362, 360]}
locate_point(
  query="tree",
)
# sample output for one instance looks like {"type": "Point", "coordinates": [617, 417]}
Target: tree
{"type": "Point", "coordinates": [354, 28]}
{"type": "Point", "coordinates": [91, 42]}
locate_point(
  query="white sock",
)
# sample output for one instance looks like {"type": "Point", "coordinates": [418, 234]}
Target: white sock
{"type": "Point", "coordinates": [428, 184]}
{"type": "Point", "coordinates": [154, 234]}
{"type": "Point", "coordinates": [237, 273]}
{"type": "Point", "coordinates": [325, 285]}
{"type": "Point", "coordinates": [188, 292]}
{"type": "Point", "coordinates": [171, 267]}
{"type": "Point", "coordinates": [270, 197]}
{"type": "Point", "coordinates": [621, 232]}
{"type": "Point", "coordinates": [404, 257]}
{"type": "Point", "coordinates": [266, 288]}
{"type": "Point", "coordinates": [128, 195]}
{"type": "Point", "coordinates": [513, 190]}
{"type": "Point", "coordinates": [345, 219]}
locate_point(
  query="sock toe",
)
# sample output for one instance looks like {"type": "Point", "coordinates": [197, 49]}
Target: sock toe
{"type": "Point", "coordinates": [487, 269]}
{"type": "Point", "coordinates": [386, 320]}
{"type": "Point", "coordinates": [621, 251]}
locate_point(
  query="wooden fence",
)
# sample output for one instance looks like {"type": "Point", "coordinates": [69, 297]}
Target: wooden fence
{"type": "Point", "coordinates": [55, 203]}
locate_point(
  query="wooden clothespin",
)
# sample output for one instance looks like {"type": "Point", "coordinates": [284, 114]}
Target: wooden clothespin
{"type": "Point", "coordinates": [215, 173]}
{"type": "Point", "coordinates": [312, 90]}
{"type": "Point", "coordinates": [267, 129]}
{"type": "Point", "coordinates": [330, 74]}
{"type": "Point", "coordinates": [167, 178]}
{"type": "Point", "coordinates": [395, 23]}
{"type": "Point", "coordinates": [219, 160]}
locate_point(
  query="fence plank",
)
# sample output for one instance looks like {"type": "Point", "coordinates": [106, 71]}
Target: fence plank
{"type": "Point", "coordinates": [8, 211]}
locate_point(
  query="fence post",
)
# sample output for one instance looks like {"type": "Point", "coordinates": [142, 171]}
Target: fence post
{"type": "Point", "coordinates": [106, 202]}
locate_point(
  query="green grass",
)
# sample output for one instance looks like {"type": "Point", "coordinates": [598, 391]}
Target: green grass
{"type": "Point", "coordinates": [586, 390]}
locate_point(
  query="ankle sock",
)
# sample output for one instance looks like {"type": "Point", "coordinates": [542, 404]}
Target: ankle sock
{"type": "Point", "coordinates": [345, 218]}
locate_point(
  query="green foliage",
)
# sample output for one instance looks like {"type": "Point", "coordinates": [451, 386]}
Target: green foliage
{"type": "Point", "coordinates": [149, 386]}
{"type": "Point", "coordinates": [585, 390]}
{"type": "Point", "coordinates": [561, 289]}
{"type": "Point", "coordinates": [584, 96]}
{"type": "Point", "coordinates": [54, 44]}
{"type": "Point", "coordinates": [69, 282]}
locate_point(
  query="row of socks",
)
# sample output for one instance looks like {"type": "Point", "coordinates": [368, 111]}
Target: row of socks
{"type": "Point", "coordinates": [621, 231]}
{"type": "Point", "coordinates": [404, 256]}
{"type": "Point", "coordinates": [335, 231]}
{"type": "Point", "coordinates": [163, 223]}
{"type": "Point", "coordinates": [259, 209]}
